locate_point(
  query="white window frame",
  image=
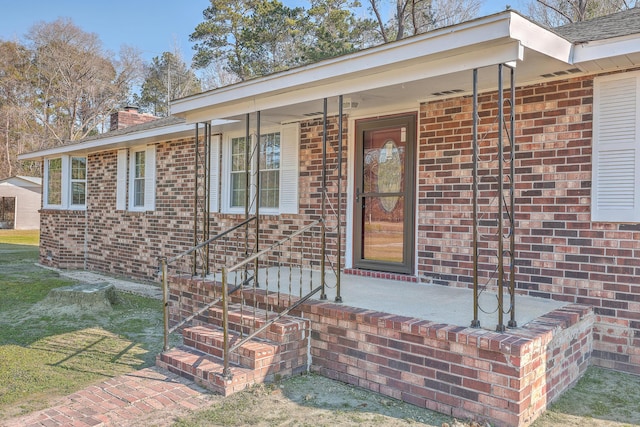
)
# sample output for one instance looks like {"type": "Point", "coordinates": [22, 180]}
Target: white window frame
{"type": "Point", "coordinates": [231, 172]}
{"type": "Point", "coordinates": [73, 180]}
{"type": "Point", "coordinates": [288, 171]}
{"type": "Point", "coordinates": [135, 179]}
{"type": "Point", "coordinates": [615, 189]}
{"type": "Point", "coordinates": [126, 177]}
{"type": "Point", "coordinates": [66, 197]}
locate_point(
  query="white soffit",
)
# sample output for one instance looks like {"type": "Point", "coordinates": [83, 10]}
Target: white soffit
{"type": "Point", "coordinates": [486, 41]}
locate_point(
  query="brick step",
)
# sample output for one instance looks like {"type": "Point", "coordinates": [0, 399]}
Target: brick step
{"type": "Point", "coordinates": [206, 370]}
{"type": "Point", "coordinates": [256, 353]}
{"type": "Point", "coordinates": [246, 320]}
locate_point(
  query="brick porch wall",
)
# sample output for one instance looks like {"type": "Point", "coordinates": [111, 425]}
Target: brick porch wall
{"type": "Point", "coordinates": [507, 378]}
{"type": "Point", "coordinates": [561, 254]}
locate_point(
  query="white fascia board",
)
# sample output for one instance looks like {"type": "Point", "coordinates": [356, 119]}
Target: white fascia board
{"type": "Point", "coordinates": [535, 37]}
{"type": "Point", "coordinates": [432, 44]}
{"type": "Point", "coordinates": [109, 143]}
{"type": "Point", "coordinates": [607, 48]}
{"type": "Point", "coordinates": [509, 51]}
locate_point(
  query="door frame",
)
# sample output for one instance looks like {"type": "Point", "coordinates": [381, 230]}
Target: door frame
{"type": "Point", "coordinates": [367, 123]}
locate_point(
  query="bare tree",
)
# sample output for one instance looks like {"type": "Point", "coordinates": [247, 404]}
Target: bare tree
{"type": "Point", "coordinates": [554, 13]}
{"type": "Point", "coordinates": [60, 86]}
{"type": "Point", "coordinates": [15, 117]}
{"type": "Point", "coordinates": [217, 75]}
{"type": "Point", "coordinates": [411, 17]}
{"type": "Point", "coordinates": [76, 84]}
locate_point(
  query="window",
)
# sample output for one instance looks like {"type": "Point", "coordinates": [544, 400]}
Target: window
{"type": "Point", "coordinates": [65, 182]}
{"type": "Point", "coordinates": [278, 171]}
{"type": "Point", "coordinates": [136, 179]}
{"type": "Point", "coordinates": [238, 172]}
{"type": "Point", "coordinates": [78, 180]}
{"type": "Point", "coordinates": [615, 192]}
{"type": "Point", "coordinates": [54, 182]}
{"type": "Point", "coordinates": [270, 170]}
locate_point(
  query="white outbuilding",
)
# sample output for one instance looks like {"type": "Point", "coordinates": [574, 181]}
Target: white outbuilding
{"type": "Point", "coordinates": [20, 201]}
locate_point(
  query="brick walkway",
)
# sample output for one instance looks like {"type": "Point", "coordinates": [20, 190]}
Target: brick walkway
{"type": "Point", "coordinates": [146, 397]}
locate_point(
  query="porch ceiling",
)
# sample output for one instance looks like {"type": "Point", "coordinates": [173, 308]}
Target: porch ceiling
{"type": "Point", "coordinates": [396, 75]}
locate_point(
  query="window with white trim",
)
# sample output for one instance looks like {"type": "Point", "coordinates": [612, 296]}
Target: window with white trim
{"type": "Point", "coordinates": [136, 179]}
{"type": "Point", "coordinates": [78, 181]}
{"type": "Point", "coordinates": [238, 178]}
{"type": "Point", "coordinates": [54, 182]}
{"type": "Point", "coordinates": [615, 189]}
{"type": "Point", "coordinates": [65, 182]}
{"type": "Point", "coordinates": [270, 170]}
{"type": "Point", "coordinates": [278, 171]}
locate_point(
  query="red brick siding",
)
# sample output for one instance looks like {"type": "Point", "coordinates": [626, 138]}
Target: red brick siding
{"type": "Point", "coordinates": [129, 243]}
{"type": "Point", "coordinates": [560, 254]}
{"type": "Point", "coordinates": [62, 236]}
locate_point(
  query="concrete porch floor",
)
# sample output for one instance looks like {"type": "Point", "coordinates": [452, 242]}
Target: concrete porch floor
{"type": "Point", "coordinates": [436, 303]}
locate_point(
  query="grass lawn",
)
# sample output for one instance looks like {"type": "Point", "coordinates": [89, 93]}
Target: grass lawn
{"type": "Point", "coordinates": [20, 237]}
{"type": "Point", "coordinates": [48, 352]}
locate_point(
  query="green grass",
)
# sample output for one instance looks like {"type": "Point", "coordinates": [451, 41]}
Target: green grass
{"type": "Point", "coordinates": [601, 394]}
{"type": "Point", "coordinates": [47, 352]}
{"type": "Point", "coordinates": [20, 237]}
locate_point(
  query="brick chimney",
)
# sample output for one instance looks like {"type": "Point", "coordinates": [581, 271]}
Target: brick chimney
{"type": "Point", "coordinates": [129, 117]}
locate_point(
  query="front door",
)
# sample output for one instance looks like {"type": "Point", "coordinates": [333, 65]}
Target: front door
{"type": "Point", "coordinates": [384, 197]}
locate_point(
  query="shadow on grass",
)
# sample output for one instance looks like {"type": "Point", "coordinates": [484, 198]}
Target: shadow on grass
{"type": "Point", "coordinates": [52, 351]}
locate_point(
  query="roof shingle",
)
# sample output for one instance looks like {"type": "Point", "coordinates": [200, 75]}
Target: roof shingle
{"type": "Point", "coordinates": [605, 27]}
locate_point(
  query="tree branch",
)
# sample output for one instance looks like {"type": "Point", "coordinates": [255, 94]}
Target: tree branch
{"type": "Point", "coordinates": [383, 32]}
{"type": "Point", "coordinates": [545, 4]}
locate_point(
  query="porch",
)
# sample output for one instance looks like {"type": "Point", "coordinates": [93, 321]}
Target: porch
{"type": "Point", "coordinates": [413, 342]}
{"type": "Point", "coordinates": [402, 295]}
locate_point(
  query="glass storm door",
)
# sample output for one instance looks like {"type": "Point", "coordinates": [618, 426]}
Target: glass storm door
{"type": "Point", "coordinates": [384, 198]}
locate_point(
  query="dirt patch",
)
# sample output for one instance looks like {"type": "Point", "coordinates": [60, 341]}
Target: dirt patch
{"type": "Point", "coordinates": [312, 400]}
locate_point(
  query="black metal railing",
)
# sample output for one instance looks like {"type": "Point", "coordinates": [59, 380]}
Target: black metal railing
{"type": "Point", "coordinates": [166, 262]}
{"type": "Point", "coordinates": [297, 257]}
{"type": "Point", "coordinates": [292, 267]}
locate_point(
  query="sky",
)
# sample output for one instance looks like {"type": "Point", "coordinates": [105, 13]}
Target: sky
{"type": "Point", "coordinates": [152, 26]}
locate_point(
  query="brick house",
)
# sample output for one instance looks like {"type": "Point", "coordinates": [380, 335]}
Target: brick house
{"type": "Point", "coordinates": [411, 111]}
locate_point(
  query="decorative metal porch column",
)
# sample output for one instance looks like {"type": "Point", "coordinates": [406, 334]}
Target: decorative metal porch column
{"type": "Point", "coordinates": [323, 243]}
{"type": "Point", "coordinates": [505, 214]}
{"type": "Point", "coordinates": [339, 225]}
{"type": "Point", "coordinates": [202, 198]}
{"type": "Point", "coordinates": [323, 201]}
